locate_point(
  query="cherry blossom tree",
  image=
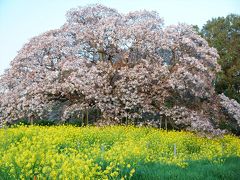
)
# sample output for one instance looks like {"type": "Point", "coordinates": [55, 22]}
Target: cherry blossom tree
{"type": "Point", "coordinates": [122, 65]}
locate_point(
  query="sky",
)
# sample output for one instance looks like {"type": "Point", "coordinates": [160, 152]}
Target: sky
{"type": "Point", "coordinates": [20, 20]}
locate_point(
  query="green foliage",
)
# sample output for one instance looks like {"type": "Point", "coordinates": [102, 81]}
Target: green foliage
{"type": "Point", "coordinates": [223, 33]}
{"type": "Point", "coordinates": [169, 102]}
{"type": "Point", "coordinates": [5, 174]}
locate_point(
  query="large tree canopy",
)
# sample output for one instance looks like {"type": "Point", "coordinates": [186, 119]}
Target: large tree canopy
{"type": "Point", "coordinates": [123, 65]}
{"type": "Point", "coordinates": [223, 33]}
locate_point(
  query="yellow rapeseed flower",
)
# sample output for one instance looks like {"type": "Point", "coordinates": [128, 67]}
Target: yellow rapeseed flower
{"type": "Point", "coordinates": [68, 152]}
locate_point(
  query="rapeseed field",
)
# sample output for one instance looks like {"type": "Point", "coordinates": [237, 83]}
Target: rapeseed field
{"type": "Point", "coordinates": [113, 152]}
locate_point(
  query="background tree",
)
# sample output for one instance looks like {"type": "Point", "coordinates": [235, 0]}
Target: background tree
{"type": "Point", "coordinates": [223, 33]}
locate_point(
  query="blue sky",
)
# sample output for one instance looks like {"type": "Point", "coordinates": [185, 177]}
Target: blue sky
{"type": "Point", "coordinates": [22, 19]}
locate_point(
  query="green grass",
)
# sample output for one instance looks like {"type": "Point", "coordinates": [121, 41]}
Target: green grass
{"type": "Point", "coordinates": [203, 169]}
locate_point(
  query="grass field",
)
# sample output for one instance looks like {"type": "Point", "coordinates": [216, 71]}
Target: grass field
{"type": "Point", "coordinates": [118, 152]}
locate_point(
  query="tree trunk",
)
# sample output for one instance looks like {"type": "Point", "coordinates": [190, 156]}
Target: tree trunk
{"type": "Point", "coordinates": [166, 123]}
{"type": "Point", "coordinates": [87, 117]}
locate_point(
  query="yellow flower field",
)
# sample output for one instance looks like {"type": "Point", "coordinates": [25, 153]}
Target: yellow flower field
{"type": "Point", "coordinates": [68, 152]}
